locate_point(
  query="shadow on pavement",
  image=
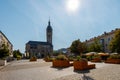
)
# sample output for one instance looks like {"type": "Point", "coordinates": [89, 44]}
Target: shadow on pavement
{"type": "Point", "coordinates": [82, 71]}
{"type": "Point", "coordinates": [59, 68]}
{"type": "Point", "coordinates": [84, 77]}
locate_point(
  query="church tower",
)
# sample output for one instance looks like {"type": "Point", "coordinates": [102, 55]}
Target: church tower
{"type": "Point", "coordinates": [49, 33]}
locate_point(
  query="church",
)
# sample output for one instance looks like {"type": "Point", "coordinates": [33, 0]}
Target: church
{"type": "Point", "coordinates": [38, 48]}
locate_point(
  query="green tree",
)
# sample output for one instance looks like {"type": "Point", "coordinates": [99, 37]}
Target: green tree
{"type": "Point", "coordinates": [77, 47]}
{"type": "Point", "coordinates": [4, 52]}
{"type": "Point", "coordinates": [95, 47]}
{"type": "Point", "coordinates": [17, 54]}
{"type": "Point", "coordinates": [81, 47]}
{"type": "Point", "coordinates": [55, 53]}
{"type": "Point", "coordinates": [115, 42]}
{"type": "Point", "coordinates": [74, 46]}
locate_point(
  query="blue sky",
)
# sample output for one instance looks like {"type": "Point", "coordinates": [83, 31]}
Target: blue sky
{"type": "Point", "coordinates": [24, 20]}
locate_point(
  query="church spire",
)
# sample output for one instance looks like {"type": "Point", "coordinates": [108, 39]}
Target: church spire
{"type": "Point", "coordinates": [49, 22]}
{"type": "Point", "coordinates": [49, 33]}
{"type": "Point", "coordinates": [49, 28]}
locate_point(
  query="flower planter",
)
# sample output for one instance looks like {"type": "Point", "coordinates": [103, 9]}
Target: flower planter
{"type": "Point", "coordinates": [96, 60]}
{"type": "Point", "coordinates": [60, 63]}
{"type": "Point", "coordinates": [3, 62]}
{"type": "Point", "coordinates": [33, 59]}
{"type": "Point", "coordinates": [80, 65]}
{"type": "Point", "coordinates": [48, 60]}
{"type": "Point", "coordinates": [113, 61]}
{"type": "Point", "coordinates": [91, 66]}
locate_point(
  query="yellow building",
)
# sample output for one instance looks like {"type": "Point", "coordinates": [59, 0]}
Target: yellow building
{"type": "Point", "coordinates": [4, 40]}
{"type": "Point", "coordinates": [104, 40]}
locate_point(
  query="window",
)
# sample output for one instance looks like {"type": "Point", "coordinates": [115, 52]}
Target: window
{"type": "Point", "coordinates": [33, 46]}
{"type": "Point", "coordinates": [102, 41]}
{"type": "Point", "coordinates": [108, 39]}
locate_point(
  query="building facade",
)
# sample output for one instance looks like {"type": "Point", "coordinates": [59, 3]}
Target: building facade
{"type": "Point", "coordinates": [4, 40]}
{"type": "Point", "coordinates": [41, 49]}
{"type": "Point", "coordinates": [104, 39]}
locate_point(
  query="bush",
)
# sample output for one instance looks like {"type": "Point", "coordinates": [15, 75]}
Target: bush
{"type": "Point", "coordinates": [18, 57]}
{"type": "Point", "coordinates": [96, 56]}
{"type": "Point", "coordinates": [71, 58]}
{"type": "Point", "coordinates": [83, 59]}
{"type": "Point", "coordinates": [89, 58]}
{"type": "Point", "coordinates": [47, 59]}
{"type": "Point", "coordinates": [78, 58]}
{"type": "Point", "coordinates": [51, 59]}
{"type": "Point", "coordinates": [17, 53]}
{"type": "Point", "coordinates": [61, 57]}
{"type": "Point", "coordinates": [115, 56]}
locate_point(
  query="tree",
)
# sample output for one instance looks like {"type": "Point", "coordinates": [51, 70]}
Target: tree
{"type": "Point", "coordinates": [74, 46]}
{"type": "Point", "coordinates": [4, 52]}
{"type": "Point", "coordinates": [17, 54]}
{"type": "Point", "coordinates": [55, 53]}
{"type": "Point", "coordinates": [95, 47]}
{"type": "Point", "coordinates": [77, 47]}
{"type": "Point", "coordinates": [81, 47]}
{"type": "Point", "coordinates": [115, 42]}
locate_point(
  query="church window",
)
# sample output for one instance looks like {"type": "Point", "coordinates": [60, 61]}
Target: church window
{"type": "Point", "coordinates": [33, 46]}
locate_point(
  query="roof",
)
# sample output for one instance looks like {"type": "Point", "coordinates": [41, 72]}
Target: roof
{"type": "Point", "coordinates": [39, 43]}
{"type": "Point", "coordinates": [6, 37]}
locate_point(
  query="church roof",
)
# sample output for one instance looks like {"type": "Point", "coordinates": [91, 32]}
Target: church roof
{"type": "Point", "coordinates": [39, 43]}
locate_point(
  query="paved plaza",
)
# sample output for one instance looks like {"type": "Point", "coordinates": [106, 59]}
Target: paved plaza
{"type": "Point", "coordinates": [25, 70]}
{"type": "Point", "coordinates": [40, 70]}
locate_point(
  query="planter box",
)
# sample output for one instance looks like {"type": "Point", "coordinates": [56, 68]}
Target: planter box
{"type": "Point", "coordinates": [3, 62]}
{"type": "Point", "coordinates": [91, 66]}
{"type": "Point", "coordinates": [113, 61]}
{"type": "Point", "coordinates": [47, 60]}
{"type": "Point", "coordinates": [33, 59]}
{"type": "Point", "coordinates": [80, 65]}
{"type": "Point", "coordinates": [60, 63]}
{"type": "Point", "coordinates": [96, 60]}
